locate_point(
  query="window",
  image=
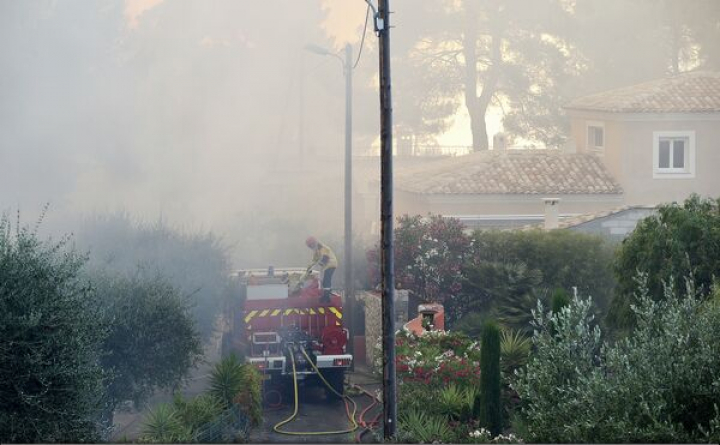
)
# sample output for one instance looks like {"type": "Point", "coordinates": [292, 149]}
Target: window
{"type": "Point", "coordinates": [595, 135]}
{"type": "Point", "coordinates": [674, 154]}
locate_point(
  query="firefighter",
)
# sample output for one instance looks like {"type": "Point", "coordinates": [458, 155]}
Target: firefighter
{"type": "Point", "coordinates": [324, 259]}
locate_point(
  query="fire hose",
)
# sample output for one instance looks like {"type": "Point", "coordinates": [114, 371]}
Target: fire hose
{"type": "Point", "coordinates": [351, 416]}
{"type": "Point", "coordinates": [367, 426]}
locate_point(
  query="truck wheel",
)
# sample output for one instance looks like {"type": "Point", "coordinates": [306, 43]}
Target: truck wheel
{"type": "Point", "coordinates": [273, 396]}
{"type": "Point", "coordinates": [285, 387]}
{"type": "Point", "coordinates": [336, 379]}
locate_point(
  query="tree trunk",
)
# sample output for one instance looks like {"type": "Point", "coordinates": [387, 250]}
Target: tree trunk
{"type": "Point", "coordinates": [479, 129]}
{"type": "Point", "coordinates": [477, 105]}
{"type": "Point", "coordinates": [675, 50]}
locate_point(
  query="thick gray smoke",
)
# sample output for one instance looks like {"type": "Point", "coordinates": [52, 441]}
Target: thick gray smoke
{"type": "Point", "coordinates": [206, 114]}
{"type": "Point", "coordinates": [211, 115]}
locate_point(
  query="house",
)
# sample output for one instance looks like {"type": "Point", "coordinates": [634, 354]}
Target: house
{"type": "Point", "coordinates": [503, 188]}
{"type": "Point", "coordinates": [660, 140]}
{"type": "Point", "coordinates": [634, 148]}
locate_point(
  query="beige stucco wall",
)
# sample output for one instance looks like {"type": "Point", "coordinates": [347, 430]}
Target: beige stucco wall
{"type": "Point", "coordinates": [611, 157]}
{"type": "Point", "coordinates": [629, 153]}
{"type": "Point", "coordinates": [637, 148]}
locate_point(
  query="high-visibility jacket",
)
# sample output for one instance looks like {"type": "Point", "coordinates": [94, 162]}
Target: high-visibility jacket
{"type": "Point", "coordinates": [323, 257]}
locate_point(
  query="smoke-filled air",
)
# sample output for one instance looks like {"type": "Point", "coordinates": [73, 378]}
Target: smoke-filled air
{"type": "Point", "coordinates": [191, 223]}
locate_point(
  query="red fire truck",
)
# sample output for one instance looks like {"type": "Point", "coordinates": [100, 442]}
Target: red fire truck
{"type": "Point", "coordinates": [279, 320]}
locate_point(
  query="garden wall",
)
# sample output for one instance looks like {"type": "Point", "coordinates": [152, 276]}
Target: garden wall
{"type": "Point", "coordinates": [373, 319]}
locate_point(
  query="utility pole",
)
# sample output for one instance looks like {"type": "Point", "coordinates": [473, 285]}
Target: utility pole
{"type": "Point", "coordinates": [348, 250]}
{"type": "Point", "coordinates": [382, 25]}
{"type": "Point", "coordinates": [349, 285]}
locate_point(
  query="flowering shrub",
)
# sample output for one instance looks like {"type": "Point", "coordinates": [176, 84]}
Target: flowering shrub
{"type": "Point", "coordinates": [429, 254]}
{"type": "Point", "coordinates": [437, 358]}
{"type": "Point", "coordinates": [436, 261]}
{"type": "Point", "coordinates": [438, 379]}
{"type": "Point", "coordinates": [484, 436]}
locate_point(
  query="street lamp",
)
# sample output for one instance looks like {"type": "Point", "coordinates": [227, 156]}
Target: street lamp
{"type": "Point", "coordinates": [349, 285]}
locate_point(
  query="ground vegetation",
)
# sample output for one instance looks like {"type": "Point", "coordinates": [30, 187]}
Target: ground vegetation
{"type": "Point", "coordinates": [668, 366]}
{"type": "Point", "coordinates": [225, 412]}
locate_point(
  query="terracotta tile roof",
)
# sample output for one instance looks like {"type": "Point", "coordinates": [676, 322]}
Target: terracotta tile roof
{"type": "Point", "coordinates": [532, 172]}
{"type": "Point", "coordinates": [694, 92]}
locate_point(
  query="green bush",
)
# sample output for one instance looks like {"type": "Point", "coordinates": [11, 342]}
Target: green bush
{"type": "Point", "coordinates": [500, 272]}
{"type": "Point", "coordinates": [250, 398]}
{"type": "Point", "coordinates": [490, 409]}
{"type": "Point", "coordinates": [208, 416]}
{"type": "Point", "coordinates": [232, 382]}
{"type": "Point", "coordinates": [412, 395]}
{"type": "Point", "coordinates": [417, 426]}
{"type": "Point", "coordinates": [457, 403]}
{"type": "Point", "coordinates": [505, 291]}
{"type": "Point", "coordinates": [559, 300]}
{"type": "Point", "coordinates": [50, 342]}
{"type": "Point", "coordinates": [471, 323]}
{"type": "Point", "coordinates": [563, 358]}
{"type": "Point", "coordinates": [164, 425]}
{"type": "Point", "coordinates": [668, 367]}
{"type": "Point", "coordinates": [514, 350]}
{"type": "Point", "coordinates": [152, 340]}
{"type": "Point", "coordinates": [227, 380]}
{"type": "Point", "coordinates": [564, 258]}
{"type": "Point", "coordinates": [678, 242]}
{"type": "Point", "coordinates": [195, 263]}
{"type": "Point", "coordinates": [197, 411]}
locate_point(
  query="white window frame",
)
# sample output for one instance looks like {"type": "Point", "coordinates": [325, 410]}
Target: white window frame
{"type": "Point", "coordinates": [674, 173]}
{"type": "Point", "coordinates": [597, 124]}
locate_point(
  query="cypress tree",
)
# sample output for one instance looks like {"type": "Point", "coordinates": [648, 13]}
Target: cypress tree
{"type": "Point", "coordinates": [560, 299]}
{"type": "Point", "coordinates": [490, 412]}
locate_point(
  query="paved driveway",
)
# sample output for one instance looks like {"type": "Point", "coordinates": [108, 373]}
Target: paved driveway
{"type": "Point", "coordinates": [315, 413]}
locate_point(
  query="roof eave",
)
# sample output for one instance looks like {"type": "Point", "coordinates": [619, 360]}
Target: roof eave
{"type": "Point", "coordinates": [617, 192]}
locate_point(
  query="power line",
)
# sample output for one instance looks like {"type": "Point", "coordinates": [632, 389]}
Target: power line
{"type": "Point", "coordinates": [362, 41]}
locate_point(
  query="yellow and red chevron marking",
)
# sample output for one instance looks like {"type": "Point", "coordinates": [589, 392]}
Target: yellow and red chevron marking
{"type": "Point", "coordinates": [293, 311]}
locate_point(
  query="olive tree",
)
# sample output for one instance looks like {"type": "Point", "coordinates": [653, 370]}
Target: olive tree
{"type": "Point", "coordinates": [50, 341]}
{"type": "Point", "coordinates": [659, 384]}
{"type": "Point", "coordinates": [194, 262]}
{"type": "Point", "coordinates": [152, 341]}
